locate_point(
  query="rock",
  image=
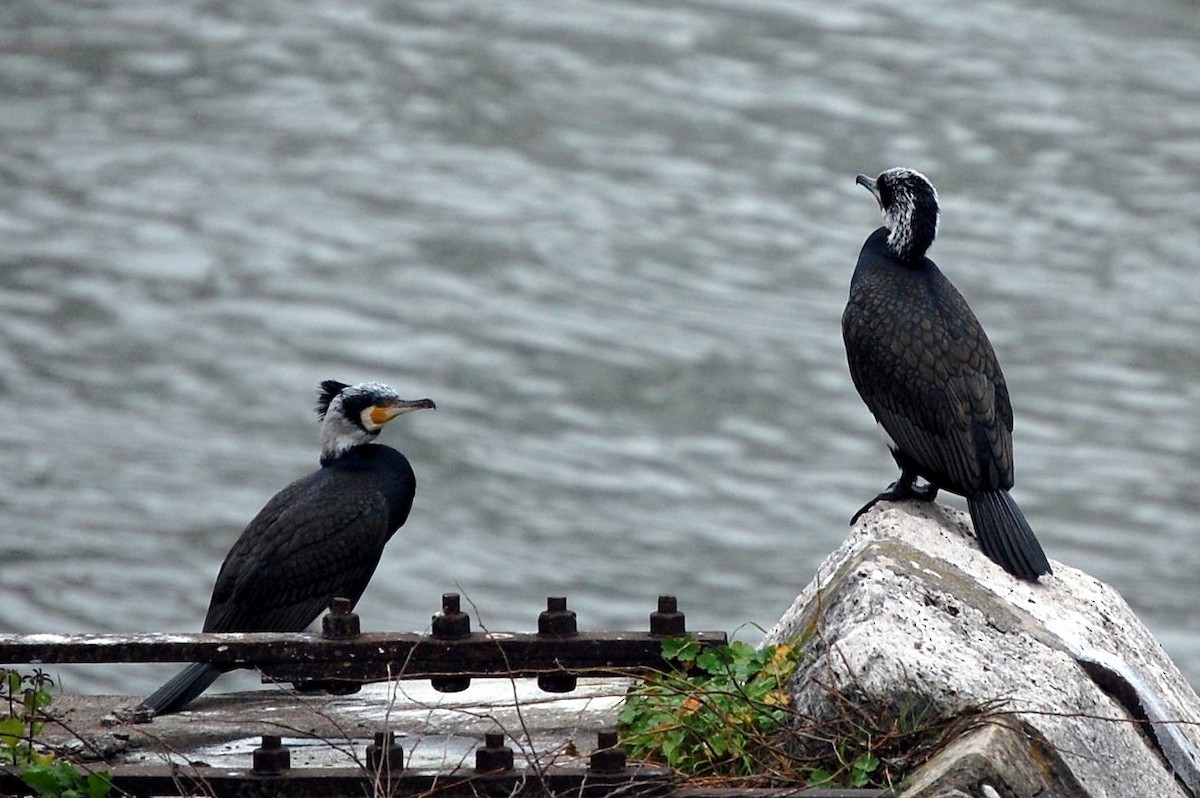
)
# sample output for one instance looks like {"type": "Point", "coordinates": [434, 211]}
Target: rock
{"type": "Point", "coordinates": [1000, 752]}
{"type": "Point", "coordinates": [908, 609]}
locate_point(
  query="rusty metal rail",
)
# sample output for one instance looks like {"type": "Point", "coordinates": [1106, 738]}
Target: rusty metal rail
{"type": "Point", "coordinates": [356, 782]}
{"type": "Point", "coordinates": [635, 782]}
{"type": "Point", "coordinates": [607, 774]}
{"type": "Point", "coordinates": [557, 654]}
{"type": "Point", "coordinates": [381, 772]}
{"type": "Point", "coordinates": [341, 657]}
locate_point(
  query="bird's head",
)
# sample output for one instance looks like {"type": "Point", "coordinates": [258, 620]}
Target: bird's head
{"type": "Point", "coordinates": [354, 414]}
{"type": "Point", "coordinates": [910, 210]}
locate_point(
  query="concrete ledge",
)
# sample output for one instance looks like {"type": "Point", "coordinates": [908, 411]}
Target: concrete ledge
{"type": "Point", "coordinates": [437, 730]}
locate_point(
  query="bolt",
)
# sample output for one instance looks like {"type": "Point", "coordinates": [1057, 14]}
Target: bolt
{"type": "Point", "coordinates": [609, 756]}
{"type": "Point", "coordinates": [385, 754]}
{"type": "Point", "coordinates": [493, 756]}
{"type": "Point", "coordinates": [449, 684]}
{"type": "Point", "coordinates": [451, 623]}
{"type": "Point", "coordinates": [557, 682]}
{"type": "Point", "coordinates": [341, 687]}
{"type": "Point", "coordinates": [668, 621]}
{"type": "Point", "coordinates": [340, 623]}
{"type": "Point", "coordinates": [557, 620]}
{"type": "Point", "coordinates": [331, 686]}
{"type": "Point", "coordinates": [273, 757]}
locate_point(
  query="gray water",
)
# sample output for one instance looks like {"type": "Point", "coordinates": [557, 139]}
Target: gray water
{"type": "Point", "coordinates": [612, 240]}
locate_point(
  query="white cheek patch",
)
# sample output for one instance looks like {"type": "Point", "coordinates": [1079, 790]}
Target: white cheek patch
{"type": "Point", "coordinates": [368, 423]}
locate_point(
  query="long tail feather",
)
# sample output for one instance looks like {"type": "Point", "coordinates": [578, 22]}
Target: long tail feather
{"type": "Point", "coordinates": [180, 690]}
{"type": "Point", "coordinates": [1005, 536]}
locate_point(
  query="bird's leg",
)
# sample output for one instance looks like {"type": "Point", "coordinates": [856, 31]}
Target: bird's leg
{"type": "Point", "coordinates": [902, 489]}
{"type": "Point", "coordinates": [926, 493]}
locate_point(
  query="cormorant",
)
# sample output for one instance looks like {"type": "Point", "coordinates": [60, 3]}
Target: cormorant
{"type": "Point", "coordinates": [319, 538]}
{"type": "Point", "coordinates": [927, 372]}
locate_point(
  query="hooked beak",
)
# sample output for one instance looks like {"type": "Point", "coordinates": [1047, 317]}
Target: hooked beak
{"type": "Point", "coordinates": [383, 413]}
{"type": "Point", "coordinates": [870, 185]}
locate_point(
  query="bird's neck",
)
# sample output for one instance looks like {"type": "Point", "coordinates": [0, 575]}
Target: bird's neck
{"type": "Point", "coordinates": [909, 237]}
{"type": "Point", "coordinates": [356, 456]}
{"type": "Point", "coordinates": [877, 254]}
{"type": "Point", "coordinates": [339, 441]}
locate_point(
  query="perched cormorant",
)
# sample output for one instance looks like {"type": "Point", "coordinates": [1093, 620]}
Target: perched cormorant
{"type": "Point", "coordinates": [927, 372]}
{"type": "Point", "coordinates": [319, 538]}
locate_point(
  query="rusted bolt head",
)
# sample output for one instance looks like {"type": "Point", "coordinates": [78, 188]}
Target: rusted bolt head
{"type": "Point", "coordinates": [608, 757]}
{"type": "Point", "coordinates": [557, 682]}
{"type": "Point", "coordinates": [557, 620]}
{"type": "Point", "coordinates": [451, 623]}
{"type": "Point", "coordinates": [668, 620]}
{"type": "Point", "coordinates": [341, 687]}
{"type": "Point", "coordinates": [273, 757]}
{"type": "Point", "coordinates": [493, 755]}
{"type": "Point", "coordinates": [450, 684]}
{"type": "Point", "coordinates": [340, 623]}
{"type": "Point", "coordinates": [385, 754]}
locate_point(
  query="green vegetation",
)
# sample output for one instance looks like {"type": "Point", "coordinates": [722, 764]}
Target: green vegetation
{"type": "Point", "coordinates": [724, 715]}
{"type": "Point", "coordinates": [26, 697]}
{"type": "Point", "coordinates": [719, 721]}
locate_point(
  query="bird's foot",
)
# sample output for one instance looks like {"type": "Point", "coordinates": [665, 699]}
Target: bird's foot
{"type": "Point", "coordinates": [903, 489]}
{"type": "Point", "coordinates": [925, 493]}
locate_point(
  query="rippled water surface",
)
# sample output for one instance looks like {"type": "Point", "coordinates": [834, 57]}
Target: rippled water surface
{"type": "Point", "coordinates": [612, 240]}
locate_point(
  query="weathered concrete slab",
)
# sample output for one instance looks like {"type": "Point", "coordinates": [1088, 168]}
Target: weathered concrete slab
{"type": "Point", "coordinates": [909, 605]}
{"type": "Point", "coordinates": [437, 730]}
{"type": "Point", "coordinates": [997, 753]}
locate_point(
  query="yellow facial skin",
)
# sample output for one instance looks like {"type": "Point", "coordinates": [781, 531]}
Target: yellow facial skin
{"type": "Point", "coordinates": [382, 414]}
{"type": "Point", "coordinates": [375, 416]}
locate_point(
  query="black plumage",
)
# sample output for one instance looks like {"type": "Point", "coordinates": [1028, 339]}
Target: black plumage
{"type": "Point", "coordinates": [926, 370]}
{"type": "Point", "coordinates": [319, 538]}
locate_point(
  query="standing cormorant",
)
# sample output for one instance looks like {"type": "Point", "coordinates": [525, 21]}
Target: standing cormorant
{"type": "Point", "coordinates": [927, 372]}
{"type": "Point", "coordinates": [319, 538]}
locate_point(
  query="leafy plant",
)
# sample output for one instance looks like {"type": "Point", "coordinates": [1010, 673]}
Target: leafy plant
{"type": "Point", "coordinates": [724, 713]}
{"type": "Point", "coordinates": [856, 773]}
{"type": "Point", "coordinates": [58, 778]}
{"type": "Point", "coordinates": [27, 697]}
{"type": "Point", "coordinates": [22, 724]}
{"type": "Point", "coordinates": [717, 722]}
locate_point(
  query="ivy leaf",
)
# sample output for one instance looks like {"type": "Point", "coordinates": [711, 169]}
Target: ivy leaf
{"type": "Point", "coordinates": [45, 780]}
{"type": "Point", "coordinates": [11, 727]}
{"type": "Point", "coordinates": [99, 785]}
{"type": "Point", "coordinates": [680, 649]}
